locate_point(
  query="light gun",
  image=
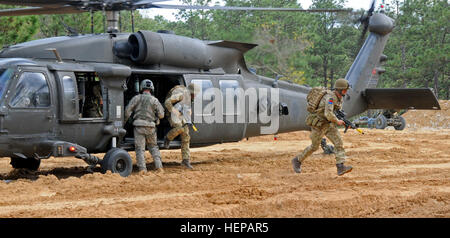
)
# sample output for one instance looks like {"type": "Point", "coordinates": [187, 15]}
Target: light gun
{"type": "Point", "coordinates": [348, 124]}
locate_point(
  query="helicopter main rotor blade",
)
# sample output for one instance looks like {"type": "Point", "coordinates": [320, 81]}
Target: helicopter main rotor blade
{"type": "Point", "coordinates": [164, 6]}
{"type": "Point", "coordinates": [39, 11]}
{"type": "Point", "coordinates": [39, 3]}
{"type": "Point", "coordinates": [39, 7]}
{"type": "Point", "coordinates": [122, 4]}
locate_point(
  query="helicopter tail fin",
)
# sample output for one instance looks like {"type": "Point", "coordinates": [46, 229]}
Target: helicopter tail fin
{"type": "Point", "coordinates": [365, 64]}
{"type": "Point", "coordinates": [362, 77]}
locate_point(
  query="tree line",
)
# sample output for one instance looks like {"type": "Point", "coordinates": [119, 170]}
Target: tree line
{"type": "Point", "coordinates": [305, 48]}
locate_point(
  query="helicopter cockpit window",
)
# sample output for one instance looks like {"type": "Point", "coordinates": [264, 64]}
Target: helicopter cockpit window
{"type": "Point", "coordinates": [5, 76]}
{"type": "Point", "coordinates": [31, 91]}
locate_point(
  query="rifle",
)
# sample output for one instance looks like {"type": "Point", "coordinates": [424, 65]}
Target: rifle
{"type": "Point", "coordinates": [348, 124]}
{"type": "Point", "coordinates": [185, 112]}
{"type": "Point", "coordinates": [193, 126]}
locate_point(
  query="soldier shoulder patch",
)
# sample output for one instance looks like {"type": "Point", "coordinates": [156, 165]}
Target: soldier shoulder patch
{"type": "Point", "coordinates": [330, 101]}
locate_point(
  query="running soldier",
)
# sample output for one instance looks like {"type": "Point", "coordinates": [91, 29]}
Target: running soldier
{"type": "Point", "coordinates": [323, 121]}
{"type": "Point", "coordinates": [178, 105]}
{"type": "Point", "coordinates": [147, 112]}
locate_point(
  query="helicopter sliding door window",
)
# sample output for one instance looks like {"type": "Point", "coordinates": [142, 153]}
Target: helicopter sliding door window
{"type": "Point", "coordinates": [32, 91]}
{"type": "Point", "coordinates": [207, 95]}
{"type": "Point", "coordinates": [229, 94]}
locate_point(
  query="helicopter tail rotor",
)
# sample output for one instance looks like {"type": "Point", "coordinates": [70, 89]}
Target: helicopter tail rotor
{"type": "Point", "coordinates": [364, 20]}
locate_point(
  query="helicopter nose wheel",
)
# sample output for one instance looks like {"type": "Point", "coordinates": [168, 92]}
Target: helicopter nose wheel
{"type": "Point", "coordinates": [117, 161]}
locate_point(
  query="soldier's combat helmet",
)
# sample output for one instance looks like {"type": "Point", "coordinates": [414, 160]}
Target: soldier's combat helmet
{"type": "Point", "coordinates": [147, 84]}
{"type": "Point", "coordinates": [341, 84]}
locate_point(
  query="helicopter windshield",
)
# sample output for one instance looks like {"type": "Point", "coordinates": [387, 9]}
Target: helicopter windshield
{"type": "Point", "coordinates": [5, 76]}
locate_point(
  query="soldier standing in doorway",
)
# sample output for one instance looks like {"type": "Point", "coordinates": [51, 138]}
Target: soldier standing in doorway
{"type": "Point", "coordinates": [94, 103]}
{"type": "Point", "coordinates": [147, 112]}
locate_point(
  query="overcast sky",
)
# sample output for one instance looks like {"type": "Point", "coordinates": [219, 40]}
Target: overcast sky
{"type": "Point", "coordinates": [169, 13]}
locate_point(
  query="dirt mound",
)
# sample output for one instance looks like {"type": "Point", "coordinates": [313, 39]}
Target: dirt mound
{"type": "Point", "coordinates": [437, 119]}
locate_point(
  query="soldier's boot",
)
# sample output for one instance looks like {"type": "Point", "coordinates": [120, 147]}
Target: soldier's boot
{"type": "Point", "coordinates": [140, 161]}
{"type": "Point", "coordinates": [327, 149]}
{"type": "Point", "coordinates": [186, 163]}
{"type": "Point", "coordinates": [342, 169]}
{"type": "Point", "coordinates": [158, 165]}
{"type": "Point", "coordinates": [297, 165]}
{"type": "Point", "coordinates": [166, 142]}
{"type": "Point", "coordinates": [142, 169]}
{"type": "Point", "coordinates": [141, 165]}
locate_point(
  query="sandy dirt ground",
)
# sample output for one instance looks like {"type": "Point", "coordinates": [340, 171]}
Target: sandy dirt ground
{"type": "Point", "coordinates": [396, 174]}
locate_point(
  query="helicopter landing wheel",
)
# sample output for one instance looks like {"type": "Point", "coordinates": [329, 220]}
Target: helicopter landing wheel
{"type": "Point", "coordinates": [117, 161]}
{"type": "Point", "coordinates": [29, 163]}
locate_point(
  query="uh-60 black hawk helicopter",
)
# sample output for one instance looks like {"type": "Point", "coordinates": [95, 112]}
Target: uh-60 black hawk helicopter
{"type": "Point", "coordinates": [45, 84]}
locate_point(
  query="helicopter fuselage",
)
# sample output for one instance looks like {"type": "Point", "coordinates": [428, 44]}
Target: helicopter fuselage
{"type": "Point", "coordinates": [66, 85]}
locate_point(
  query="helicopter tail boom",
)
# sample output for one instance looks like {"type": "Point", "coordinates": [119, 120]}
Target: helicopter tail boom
{"type": "Point", "coordinates": [361, 97]}
{"type": "Point", "coordinates": [367, 59]}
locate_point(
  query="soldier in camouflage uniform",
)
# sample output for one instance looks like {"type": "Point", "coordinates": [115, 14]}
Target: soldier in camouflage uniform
{"type": "Point", "coordinates": [147, 112]}
{"type": "Point", "coordinates": [94, 103]}
{"type": "Point", "coordinates": [178, 105]}
{"type": "Point", "coordinates": [324, 122]}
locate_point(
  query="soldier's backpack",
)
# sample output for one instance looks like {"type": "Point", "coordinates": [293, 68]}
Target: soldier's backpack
{"type": "Point", "coordinates": [313, 98]}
